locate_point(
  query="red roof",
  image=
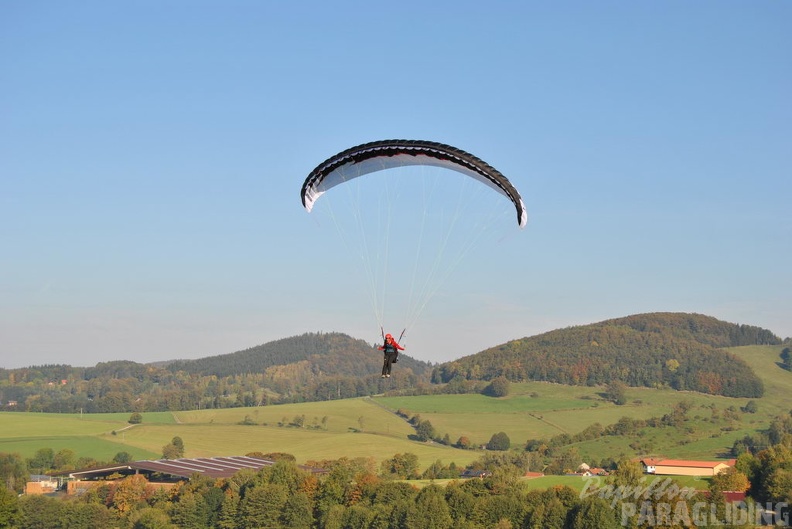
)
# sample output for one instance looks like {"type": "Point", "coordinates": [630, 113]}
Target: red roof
{"type": "Point", "coordinates": [734, 495]}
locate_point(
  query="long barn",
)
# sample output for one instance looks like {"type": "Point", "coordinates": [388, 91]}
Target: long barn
{"type": "Point", "coordinates": [682, 467]}
{"type": "Point", "coordinates": [168, 471]}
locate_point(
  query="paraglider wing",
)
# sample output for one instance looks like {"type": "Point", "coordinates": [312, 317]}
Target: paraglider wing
{"type": "Point", "coordinates": [388, 154]}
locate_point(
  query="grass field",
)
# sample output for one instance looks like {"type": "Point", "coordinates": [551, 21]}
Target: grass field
{"type": "Point", "coordinates": [369, 427]}
{"type": "Point", "coordinates": [343, 428]}
{"type": "Point", "coordinates": [764, 360]}
{"type": "Point", "coordinates": [84, 446]}
{"type": "Point", "coordinates": [556, 409]}
{"type": "Point", "coordinates": [216, 440]}
{"type": "Point", "coordinates": [87, 435]}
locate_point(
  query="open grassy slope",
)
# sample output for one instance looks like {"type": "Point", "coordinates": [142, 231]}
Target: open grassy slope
{"type": "Point", "coordinates": [557, 409]}
{"type": "Point", "coordinates": [766, 362]}
{"type": "Point", "coordinates": [351, 428]}
{"type": "Point", "coordinates": [88, 435]}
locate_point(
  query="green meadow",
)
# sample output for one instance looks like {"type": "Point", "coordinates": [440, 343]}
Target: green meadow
{"type": "Point", "coordinates": [370, 427]}
{"type": "Point", "coordinates": [537, 410]}
{"type": "Point", "coordinates": [87, 435]}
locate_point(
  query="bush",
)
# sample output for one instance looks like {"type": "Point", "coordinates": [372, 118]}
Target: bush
{"type": "Point", "coordinates": [122, 458]}
{"type": "Point", "coordinates": [499, 441]}
{"type": "Point", "coordinates": [786, 356]}
{"type": "Point", "coordinates": [499, 387]}
{"type": "Point", "coordinates": [135, 418]}
{"type": "Point", "coordinates": [424, 431]}
{"type": "Point", "coordinates": [616, 393]}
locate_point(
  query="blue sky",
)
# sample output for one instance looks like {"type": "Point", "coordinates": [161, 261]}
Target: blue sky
{"type": "Point", "coordinates": [151, 155]}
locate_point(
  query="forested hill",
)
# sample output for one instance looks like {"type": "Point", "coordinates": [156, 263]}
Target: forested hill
{"type": "Point", "coordinates": [682, 351]}
{"type": "Point", "coordinates": [311, 367]}
{"type": "Point", "coordinates": [318, 353]}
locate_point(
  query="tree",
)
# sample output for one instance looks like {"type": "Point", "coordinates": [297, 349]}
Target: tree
{"type": "Point", "coordinates": [129, 492]}
{"type": "Point", "coordinates": [503, 481]}
{"type": "Point", "coordinates": [786, 357]}
{"type": "Point", "coordinates": [274, 456]}
{"type": "Point", "coordinates": [499, 387]}
{"type": "Point", "coordinates": [565, 461]}
{"type": "Point", "coordinates": [212, 502]}
{"type": "Point", "coordinates": [595, 513]}
{"type": "Point", "coordinates": [42, 461]}
{"type": "Point", "coordinates": [627, 473]}
{"type": "Point", "coordinates": [548, 515]}
{"type": "Point", "coordinates": [189, 511]}
{"type": "Point", "coordinates": [499, 441]}
{"type": "Point", "coordinates": [174, 449]}
{"type": "Point", "coordinates": [779, 485]}
{"type": "Point", "coordinates": [463, 442]}
{"type": "Point", "coordinates": [64, 459]}
{"type": "Point", "coordinates": [150, 518]}
{"type": "Point", "coordinates": [617, 393]}
{"type": "Point", "coordinates": [285, 472]}
{"type": "Point", "coordinates": [297, 512]}
{"type": "Point", "coordinates": [460, 502]}
{"type": "Point", "coordinates": [401, 466]}
{"type": "Point", "coordinates": [439, 471]}
{"type": "Point", "coordinates": [122, 458]}
{"type": "Point", "coordinates": [357, 517]}
{"type": "Point", "coordinates": [9, 507]}
{"type": "Point", "coordinates": [730, 479]}
{"type": "Point", "coordinates": [333, 518]}
{"type": "Point", "coordinates": [39, 511]}
{"type": "Point", "coordinates": [227, 517]}
{"type": "Point", "coordinates": [135, 418]}
{"type": "Point", "coordinates": [13, 472]}
{"type": "Point", "coordinates": [169, 451]}
{"type": "Point", "coordinates": [78, 515]}
{"type": "Point", "coordinates": [179, 444]}
{"type": "Point", "coordinates": [262, 505]}
{"type": "Point", "coordinates": [424, 431]}
{"type": "Point", "coordinates": [430, 510]}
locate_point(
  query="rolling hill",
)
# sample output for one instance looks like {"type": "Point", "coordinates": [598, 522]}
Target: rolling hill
{"type": "Point", "coordinates": [680, 351]}
{"type": "Point", "coordinates": [319, 353]}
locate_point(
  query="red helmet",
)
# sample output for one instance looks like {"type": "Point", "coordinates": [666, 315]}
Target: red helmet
{"type": "Point", "coordinates": [388, 337]}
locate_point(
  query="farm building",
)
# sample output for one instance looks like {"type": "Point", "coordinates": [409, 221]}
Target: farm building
{"type": "Point", "coordinates": [681, 467]}
{"type": "Point", "coordinates": [41, 484]}
{"type": "Point", "coordinates": [475, 473]}
{"type": "Point", "coordinates": [166, 472]}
